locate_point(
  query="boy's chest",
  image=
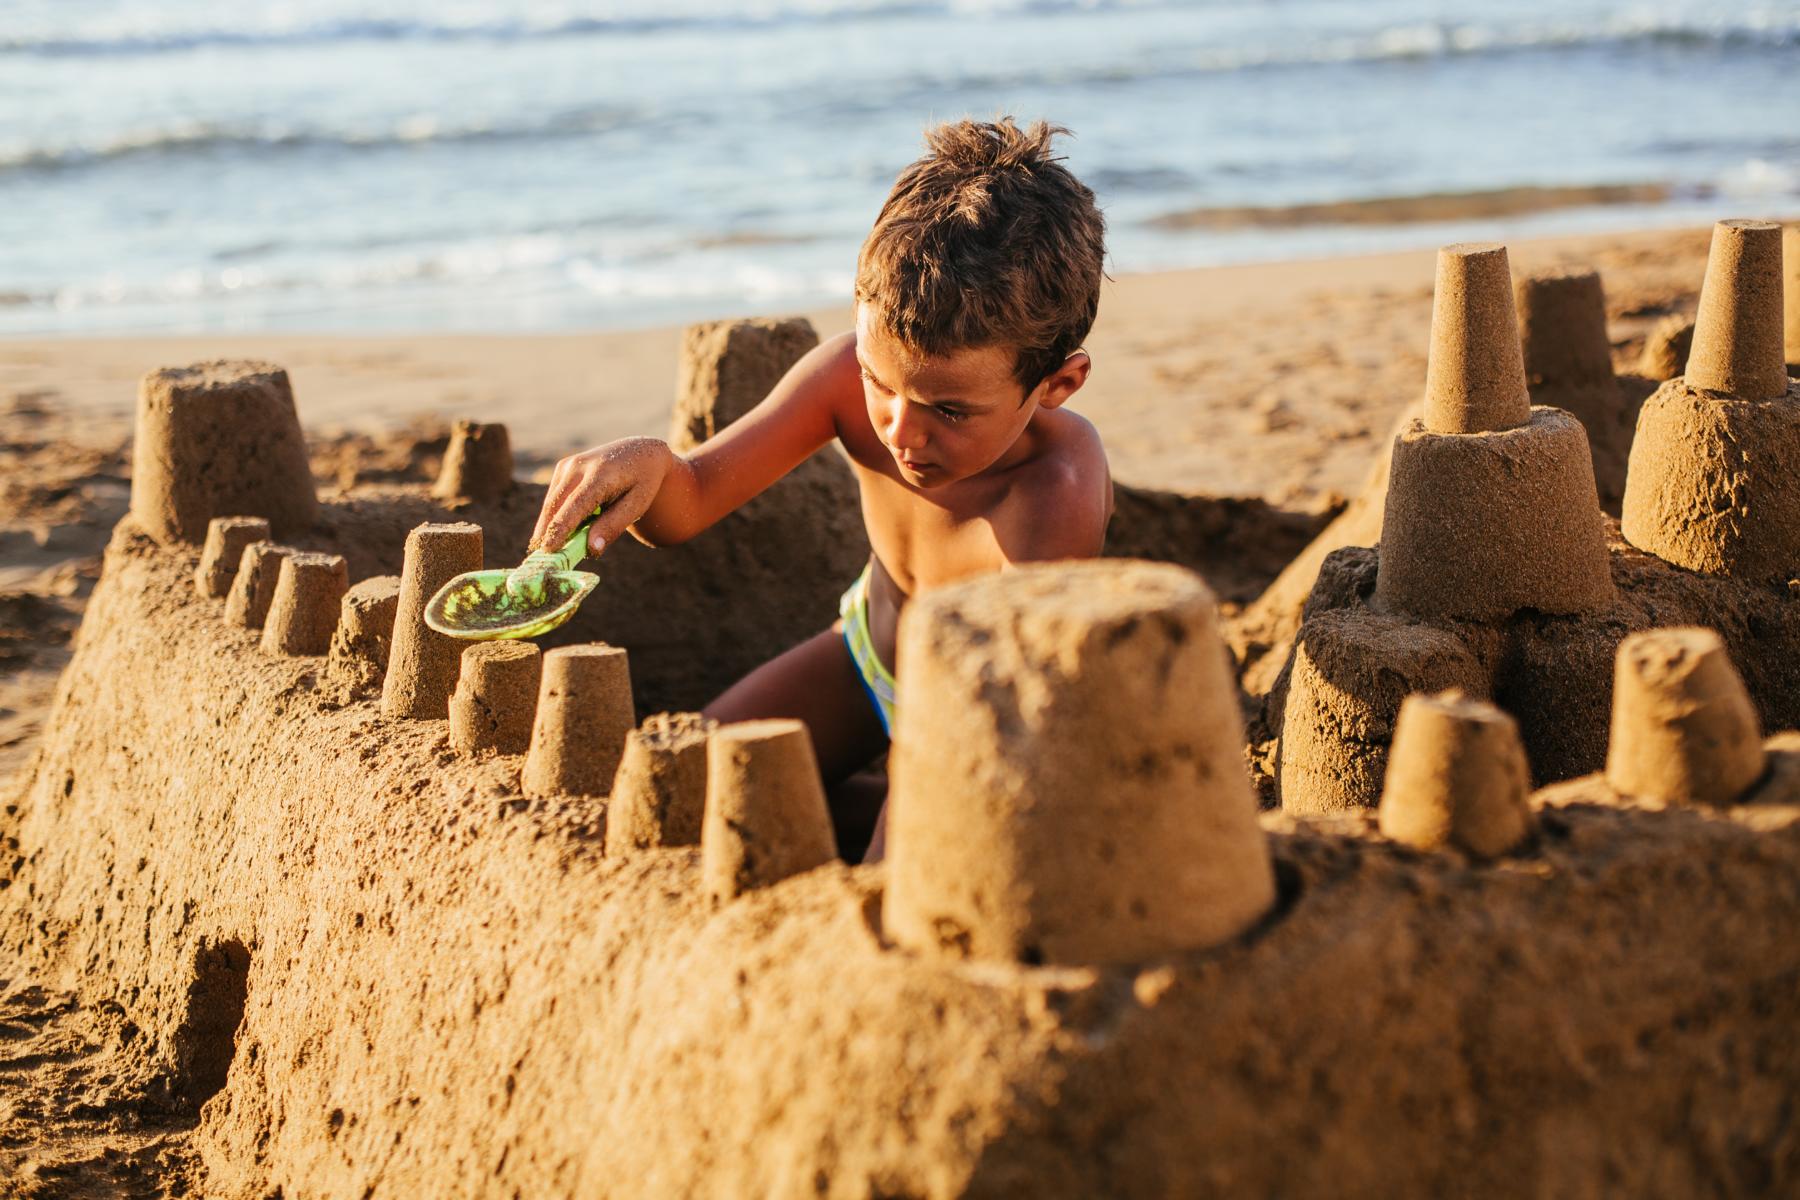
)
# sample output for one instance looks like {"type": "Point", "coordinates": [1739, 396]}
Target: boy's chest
{"type": "Point", "coordinates": [924, 545]}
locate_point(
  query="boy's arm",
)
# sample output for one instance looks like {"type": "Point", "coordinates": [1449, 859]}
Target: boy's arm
{"type": "Point", "coordinates": [666, 498]}
{"type": "Point", "coordinates": [1065, 511]}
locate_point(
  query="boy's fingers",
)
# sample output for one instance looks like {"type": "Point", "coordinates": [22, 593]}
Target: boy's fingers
{"type": "Point", "coordinates": [611, 525]}
{"type": "Point", "coordinates": [552, 497]}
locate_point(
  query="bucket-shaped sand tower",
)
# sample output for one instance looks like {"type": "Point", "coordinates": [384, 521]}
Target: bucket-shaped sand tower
{"type": "Point", "coordinates": [659, 793]}
{"type": "Point", "coordinates": [365, 631]}
{"type": "Point", "coordinates": [1456, 777]}
{"type": "Point", "coordinates": [1666, 348]}
{"type": "Point", "coordinates": [226, 538]}
{"type": "Point", "coordinates": [423, 664]}
{"type": "Point", "coordinates": [309, 590]}
{"type": "Point", "coordinates": [584, 711]}
{"type": "Point", "coordinates": [1068, 783]}
{"type": "Point", "coordinates": [1714, 484]}
{"type": "Point", "coordinates": [478, 463]}
{"type": "Point", "coordinates": [726, 369]}
{"type": "Point", "coordinates": [1568, 365]}
{"type": "Point", "coordinates": [253, 587]}
{"type": "Point", "coordinates": [216, 439]}
{"type": "Point", "coordinates": [766, 817]}
{"type": "Point", "coordinates": [1683, 728]}
{"type": "Point", "coordinates": [495, 698]}
{"type": "Point", "coordinates": [1491, 503]}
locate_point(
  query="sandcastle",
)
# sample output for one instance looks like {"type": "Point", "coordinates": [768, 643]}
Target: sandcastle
{"type": "Point", "coordinates": [1457, 777]}
{"type": "Point", "coordinates": [226, 538]}
{"type": "Point", "coordinates": [423, 664]}
{"type": "Point", "coordinates": [364, 636]}
{"type": "Point", "coordinates": [478, 463]}
{"type": "Point", "coordinates": [1715, 468]}
{"type": "Point", "coordinates": [1496, 573]}
{"type": "Point", "coordinates": [1683, 727]}
{"type": "Point", "coordinates": [368, 964]}
{"type": "Point", "coordinates": [253, 585]}
{"type": "Point", "coordinates": [303, 612]}
{"type": "Point", "coordinates": [496, 697]}
{"type": "Point", "coordinates": [219, 439]}
{"type": "Point", "coordinates": [1067, 778]}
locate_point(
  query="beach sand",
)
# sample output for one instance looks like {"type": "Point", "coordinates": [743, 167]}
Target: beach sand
{"type": "Point", "coordinates": [1278, 381]}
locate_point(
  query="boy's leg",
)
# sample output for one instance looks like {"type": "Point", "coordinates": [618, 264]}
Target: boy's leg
{"type": "Point", "coordinates": [817, 682]}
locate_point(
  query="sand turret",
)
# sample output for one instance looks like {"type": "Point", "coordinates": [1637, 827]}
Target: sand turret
{"type": "Point", "coordinates": [226, 538]}
{"type": "Point", "coordinates": [1568, 365]}
{"type": "Point", "coordinates": [253, 587]}
{"type": "Point", "coordinates": [1666, 348]}
{"type": "Point", "coordinates": [584, 711]}
{"type": "Point", "coordinates": [1790, 291]}
{"type": "Point", "coordinates": [766, 817]}
{"type": "Point", "coordinates": [478, 464]}
{"type": "Point", "coordinates": [1683, 728]}
{"type": "Point", "coordinates": [1714, 484]}
{"type": "Point", "coordinates": [1456, 777]}
{"type": "Point", "coordinates": [1491, 504]}
{"type": "Point", "coordinates": [214, 439]}
{"type": "Point", "coordinates": [659, 793]}
{"type": "Point", "coordinates": [495, 698]}
{"type": "Point", "coordinates": [423, 664]}
{"type": "Point", "coordinates": [309, 589]}
{"type": "Point", "coordinates": [726, 369]}
{"type": "Point", "coordinates": [365, 631]}
{"type": "Point", "coordinates": [1067, 773]}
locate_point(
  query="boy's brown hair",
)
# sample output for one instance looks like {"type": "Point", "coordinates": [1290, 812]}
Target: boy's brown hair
{"type": "Point", "coordinates": [987, 240]}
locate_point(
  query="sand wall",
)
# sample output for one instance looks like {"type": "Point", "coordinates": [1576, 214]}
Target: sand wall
{"type": "Point", "coordinates": [446, 989]}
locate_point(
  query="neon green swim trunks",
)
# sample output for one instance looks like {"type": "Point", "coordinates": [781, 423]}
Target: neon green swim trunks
{"type": "Point", "coordinates": [877, 680]}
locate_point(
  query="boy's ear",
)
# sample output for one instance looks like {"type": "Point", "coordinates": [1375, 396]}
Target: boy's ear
{"type": "Point", "coordinates": [1065, 381]}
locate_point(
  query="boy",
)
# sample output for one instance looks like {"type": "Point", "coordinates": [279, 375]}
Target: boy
{"type": "Point", "coordinates": [973, 293]}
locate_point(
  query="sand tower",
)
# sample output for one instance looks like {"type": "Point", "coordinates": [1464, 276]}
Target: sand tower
{"type": "Point", "coordinates": [1714, 484]}
{"type": "Point", "coordinates": [584, 711]}
{"type": "Point", "coordinates": [766, 817]}
{"type": "Point", "coordinates": [423, 664]}
{"type": "Point", "coordinates": [726, 369]}
{"type": "Point", "coordinates": [1683, 728]}
{"type": "Point", "coordinates": [1491, 503]}
{"type": "Point", "coordinates": [495, 698]}
{"type": "Point", "coordinates": [1067, 773]}
{"type": "Point", "coordinates": [1568, 365]}
{"type": "Point", "coordinates": [478, 463]}
{"type": "Point", "coordinates": [1456, 777]}
{"type": "Point", "coordinates": [226, 538]}
{"type": "Point", "coordinates": [659, 793]}
{"type": "Point", "coordinates": [214, 439]}
{"type": "Point", "coordinates": [1666, 348]}
{"type": "Point", "coordinates": [303, 613]}
{"type": "Point", "coordinates": [253, 587]}
{"type": "Point", "coordinates": [365, 631]}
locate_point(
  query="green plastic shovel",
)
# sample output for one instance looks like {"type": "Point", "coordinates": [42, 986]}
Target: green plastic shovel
{"type": "Point", "coordinates": [526, 602]}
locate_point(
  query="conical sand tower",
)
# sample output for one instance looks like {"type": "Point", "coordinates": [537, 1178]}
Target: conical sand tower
{"type": "Point", "coordinates": [1491, 505]}
{"type": "Point", "coordinates": [1714, 483]}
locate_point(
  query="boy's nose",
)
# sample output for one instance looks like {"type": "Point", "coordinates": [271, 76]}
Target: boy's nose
{"type": "Point", "coordinates": [904, 429]}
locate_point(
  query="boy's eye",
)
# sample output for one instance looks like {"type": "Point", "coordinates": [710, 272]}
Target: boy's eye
{"type": "Point", "coordinates": [951, 414]}
{"type": "Point", "coordinates": [872, 381]}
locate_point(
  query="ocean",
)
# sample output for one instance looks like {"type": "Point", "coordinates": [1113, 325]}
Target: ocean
{"type": "Point", "coordinates": [384, 165]}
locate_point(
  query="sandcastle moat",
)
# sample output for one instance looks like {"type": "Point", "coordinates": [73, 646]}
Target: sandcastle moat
{"type": "Point", "coordinates": [392, 916]}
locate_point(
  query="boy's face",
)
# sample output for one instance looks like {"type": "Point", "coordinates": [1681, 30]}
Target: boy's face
{"type": "Point", "coordinates": [943, 418]}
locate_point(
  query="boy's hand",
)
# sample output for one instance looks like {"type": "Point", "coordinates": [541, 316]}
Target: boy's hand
{"type": "Point", "coordinates": [624, 476]}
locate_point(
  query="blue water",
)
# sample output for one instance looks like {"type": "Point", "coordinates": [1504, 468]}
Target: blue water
{"type": "Point", "coordinates": [187, 165]}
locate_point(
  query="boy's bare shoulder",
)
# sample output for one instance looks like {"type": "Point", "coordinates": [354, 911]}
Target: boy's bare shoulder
{"type": "Point", "coordinates": [1069, 480]}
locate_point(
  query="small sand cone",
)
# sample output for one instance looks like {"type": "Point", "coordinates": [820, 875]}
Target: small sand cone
{"type": "Point", "coordinates": [1568, 365]}
{"type": "Point", "coordinates": [1666, 348]}
{"type": "Point", "coordinates": [1714, 482]}
{"type": "Point", "coordinates": [1456, 776]}
{"type": "Point", "coordinates": [495, 698]}
{"type": "Point", "coordinates": [218, 438]}
{"type": "Point", "coordinates": [365, 632]}
{"type": "Point", "coordinates": [303, 613]}
{"type": "Point", "coordinates": [1352, 672]}
{"type": "Point", "coordinates": [1475, 375]}
{"type": "Point", "coordinates": [1491, 504]}
{"type": "Point", "coordinates": [726, 369]}
{"type": "Point", "coordinates": [766, 816]}
{"type": "Point", "coordinates": [584, 711]}
{"type": "Point", "coordinates": [478, 465]}
{"type": "Point", "coordinates": [1737, 332]}
{"type": "Point", "coordinates": [1683, 728]}
{"type": "Point", "coordinates": [226, 538]}
{"type": "Point", "coordinates": [423, 665]}
{"type": "Point", "coordinates": [253, 587]}
{"type": "Point", "coordinates": [1067, 770]}
{"type": "Point", "coordinates": [659, 793]}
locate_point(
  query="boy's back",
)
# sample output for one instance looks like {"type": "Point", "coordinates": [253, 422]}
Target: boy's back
{"type": "Point", "coordinates": [974, 291]}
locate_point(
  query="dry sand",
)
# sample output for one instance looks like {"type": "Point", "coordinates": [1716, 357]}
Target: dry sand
{"type": "Point", "coordinates": [1245, 402]}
